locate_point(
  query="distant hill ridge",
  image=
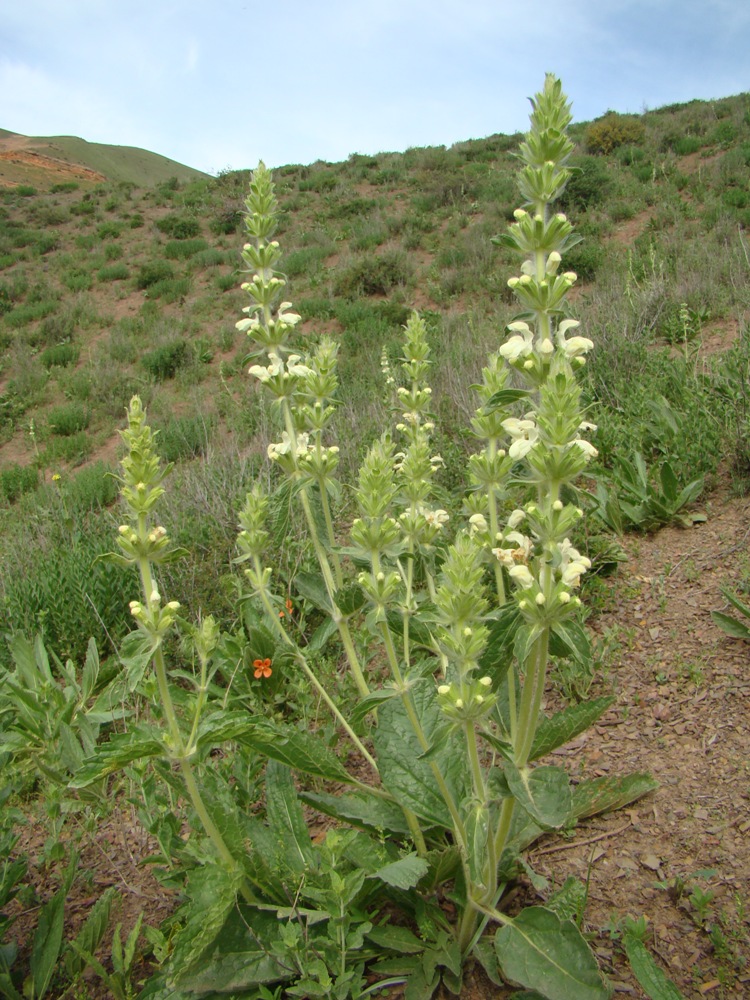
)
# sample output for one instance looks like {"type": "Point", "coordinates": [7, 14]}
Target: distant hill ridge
{"type": "Point", "coordinates": [43, 161]}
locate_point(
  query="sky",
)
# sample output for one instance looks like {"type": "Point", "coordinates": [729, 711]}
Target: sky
{"type": "Point", "coordinates": [222, 84]}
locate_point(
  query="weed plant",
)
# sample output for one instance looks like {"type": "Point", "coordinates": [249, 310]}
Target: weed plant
{"type": "Point", "coordinates": [447, 636]}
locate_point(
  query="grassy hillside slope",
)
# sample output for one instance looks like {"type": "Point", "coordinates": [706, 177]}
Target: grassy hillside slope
{"type": "Point", "coordinates": [43, 161]}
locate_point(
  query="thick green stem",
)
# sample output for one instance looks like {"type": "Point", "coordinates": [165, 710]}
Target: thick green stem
{"type": "Point", "coordinates": [531, 699]}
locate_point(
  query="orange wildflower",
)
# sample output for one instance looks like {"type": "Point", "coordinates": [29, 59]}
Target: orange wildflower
{"type": "Point", "coordinates": [262, 668]}
{"type": "Point", "coordinates": [289, 607]}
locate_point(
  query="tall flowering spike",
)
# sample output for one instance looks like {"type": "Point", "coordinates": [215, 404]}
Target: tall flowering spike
{"type": "Point", "coordinates": [547, 439]}
{"type": "Point", "coordinates": [268, 324]}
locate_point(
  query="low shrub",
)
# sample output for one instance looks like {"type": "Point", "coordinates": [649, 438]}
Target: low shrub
{"type": "Point", "coordinates": [59, 356]}
{"type": "Point", "coordinates": [613, 130]}
{"type": "Point", "coordinates": [185, 437]}
{"type": "Point", "coordinates": [183, 249]}
{"type": "Point", "coordinates": [110, 230]}
{"type": "Point", "coordinates": [68, 419]}
{"type": "Point", "coordinates": [170, 289]}
{"type": "Point", "coordinates": [29, 313]}
{"type": "Point", "coordinates": [15, 480]}
{"type": "Point", "coordinates": [179, 227]}
{"type": "Point", "coordinates": [153, 272]}
{"type": "Point", "coordinates": [377, 275]}
{"type": "Point", "coordinates": [115, 272]}
{"type": "Point", "coordinates": [164, 362]}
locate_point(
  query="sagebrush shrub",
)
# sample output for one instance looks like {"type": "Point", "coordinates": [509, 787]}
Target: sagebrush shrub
{"type": "Point", "coordinates": [613, 130]}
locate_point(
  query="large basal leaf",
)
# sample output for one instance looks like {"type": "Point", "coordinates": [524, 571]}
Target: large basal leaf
{"type": "Point", "coordinates": [604, 794]}
{"type": "Point", "coordinates": [359, 809]}
{"type": "Point", "coordinates": [299, 750]}
{"type": "Point", "coordinates": [544, 793]}
{"type": "Point", "coordinates": [541, 952]}
{"type": "Point", "coordinates": [404, 873]}
{"type": "Point", "coordinates": [566, 725]}
{"type": "Point", "coordinates": [285, 817]}
{"type": "Point", "coordinates": [121, 749]}
{"type": "Point", "coordinates": [212, 893]}
{"type": "Point", "coordinates": [240, 959]}
{"type": "Point", "coordinates": [410, 779]}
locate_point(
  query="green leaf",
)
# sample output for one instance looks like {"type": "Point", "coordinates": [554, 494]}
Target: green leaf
{"type": "Point", "coordinates": [485, 954]}
{"type": "Point", "coordinates": [498, 653]}
{"type": "Point", "coordinates": [370, 703]}
{"type": "Point", "coordinates": [90, 934]}
{"type": "Point", "coordinates": [359, 809]}
{"type": "Point", "coordinates": [732, 626]}
{"type": "Point", "coordinates": [569, 901]}
{"type": "Point", "coordinates": [421, 985]}
{"type": "Point", "coordinates": [135, 653]}
{"type": "Point", "coordinates": [392, 938]}
{"type": "Point", "coordinates": [669, 483]}
{"type": "Point", "coordinates": [321, 635]}
{"type": "Point", "coordinates": [544, 793]}
{"type": "Point", "coordinates": [404, 873]}
{"type": "Point", "coordinates": [220, 726]}
{"type": "Point", "coordinates": [241, 957]}
{"type": "Point", "coordinates": [409, 779]}
{"type": "Point", "coordinates": [45, 948]}
{"type": "Point", "coordinates": [656, 985]}
{"type": "Point", "coordinates": [302, 751]}
{"type": "Point", "coordinates": [541, 952]}
{"type": "Point", "coordinates": [568, 638]}
{"type": "Point", "coordinates": [311, 587]}
{"type": "Point", "coordinates": [736, 602]}
{"type": "Point", "coordinates": [350, 599]}
{"type": "Point", "coordinates": [212, 891]}
{"type": "Point", "coordinates": [505, 397]}
{"type": "Point", "coordinates": [90, 673]}
{"type": "Point", "coordinates": [564, 726]}
{"type": "Point", "coordinates": [604, 794]}
{"type": "Point", "coordinates": [285, 817]}
{"type": "Point", "coordinates": [122, 748]}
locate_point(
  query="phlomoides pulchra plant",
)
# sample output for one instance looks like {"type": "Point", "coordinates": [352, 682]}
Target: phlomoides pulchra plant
{"type": "Point", "coordinates": [446, 619]}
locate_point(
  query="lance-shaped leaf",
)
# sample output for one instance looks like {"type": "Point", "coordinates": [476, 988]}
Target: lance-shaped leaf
{"type": "Point", "coordinates": [564, 726]}
{"type": "Point", "coordinates": [121, 749]}
{"type": "Point", "coordinates": [300, 750]}
{"type": "Point", "coordinates": [568, 638]}
{"type": "Point", "coordinates": [603, 794]}
{"type": "Point", "coordinates": [505, 397]}
{"type": "Point", "coordinates": [544, 793]}
{"type": "Point", "coordinates": [359, 809]}
{"type": "Point", "coordinates": [45, 947]}
{"type": "Point", "coordinates": [285, 817]}
{"type": "Point", "coordinates": [656, 985]}
{"type": "Point", "coordinates": [543, 953]}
